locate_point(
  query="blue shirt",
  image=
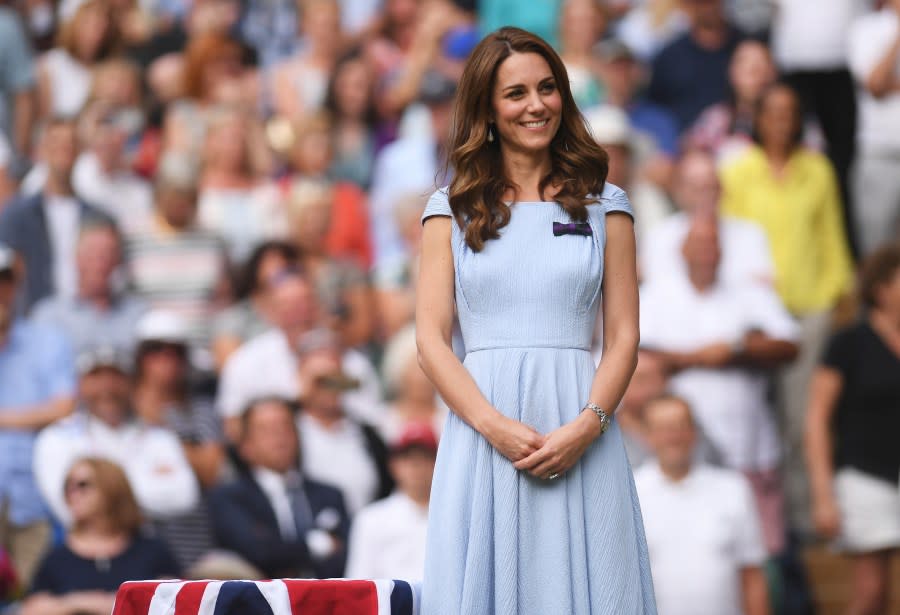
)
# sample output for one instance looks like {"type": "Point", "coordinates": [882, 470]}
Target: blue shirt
{"type": "Point", "coordinates": [658, 123]}
{"type": "Point", "coordinates": [86, 326]}
{"type": "Point", "coordinates": [688, 78]}
{"type": "Point", "coordinates": [36, 365]}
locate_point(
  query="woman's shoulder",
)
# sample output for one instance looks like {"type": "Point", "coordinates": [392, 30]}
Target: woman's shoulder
{"type": "Point", "coordinates": [438, 204]}
{"type": "Point", "coordinates": [611, 199]}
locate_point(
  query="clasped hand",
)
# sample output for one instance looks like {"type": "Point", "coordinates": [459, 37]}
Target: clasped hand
{"type": "Point", "coordinates": [543, 455]}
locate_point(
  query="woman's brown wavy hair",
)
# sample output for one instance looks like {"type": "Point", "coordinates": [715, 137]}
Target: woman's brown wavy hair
{"type": "Point", "coordinates": [578, 164]}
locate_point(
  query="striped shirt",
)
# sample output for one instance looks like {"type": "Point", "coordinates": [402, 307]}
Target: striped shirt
{"type": "Point", "coordinates": [178, 271]}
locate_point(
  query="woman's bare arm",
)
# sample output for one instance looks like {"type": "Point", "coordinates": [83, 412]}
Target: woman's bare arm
{"type": "Point", "coordinates": [824, 392]}
{"type": "Point", "coordinates": [435, 302]}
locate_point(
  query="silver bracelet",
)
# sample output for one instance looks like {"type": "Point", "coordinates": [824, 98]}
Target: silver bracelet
{"type": "Point", "coordinates": [605, 419]}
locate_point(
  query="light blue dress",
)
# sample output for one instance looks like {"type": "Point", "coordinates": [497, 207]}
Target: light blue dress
{"type": "Point", "coordinates": [500, 541]}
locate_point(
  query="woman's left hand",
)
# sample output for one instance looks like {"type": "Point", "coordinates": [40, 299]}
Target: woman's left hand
{"type": "Point", "coordinates": [563, 447]}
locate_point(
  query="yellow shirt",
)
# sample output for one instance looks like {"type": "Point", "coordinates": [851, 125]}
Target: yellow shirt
{"type": "Point", "coordinates": [801, 214]}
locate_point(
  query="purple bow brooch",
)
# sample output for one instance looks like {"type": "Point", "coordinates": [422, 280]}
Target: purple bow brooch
{"type": "Point", "coordinates": [571, 228]}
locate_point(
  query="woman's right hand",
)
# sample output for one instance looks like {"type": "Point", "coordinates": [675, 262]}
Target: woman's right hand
{"type": "Point", "coordinates": [513, 439]}
{"type": "Point", "coordinates": [827, 518]}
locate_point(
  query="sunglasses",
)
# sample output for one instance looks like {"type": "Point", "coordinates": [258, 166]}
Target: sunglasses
{"type": "Point", "coordinates": [77, 485]}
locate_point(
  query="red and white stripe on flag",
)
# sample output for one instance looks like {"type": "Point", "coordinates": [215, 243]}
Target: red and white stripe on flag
{"type": "Point", "coordinates": [275, 597]}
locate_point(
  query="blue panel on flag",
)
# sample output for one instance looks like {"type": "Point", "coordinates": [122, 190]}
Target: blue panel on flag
{"type": "Point", "coordinates": [401, 599]}
{"type": "Point", "coordinates": [241, 598]}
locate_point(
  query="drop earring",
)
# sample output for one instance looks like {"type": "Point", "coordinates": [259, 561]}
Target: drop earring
{"type": "Point", "coordinates": [490, 137]}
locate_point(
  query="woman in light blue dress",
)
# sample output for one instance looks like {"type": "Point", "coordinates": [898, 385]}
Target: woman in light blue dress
{"type": "Point", "coordinates": [533, 507]}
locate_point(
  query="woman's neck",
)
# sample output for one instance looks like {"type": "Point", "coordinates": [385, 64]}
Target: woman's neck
{"type": "Point", "coordinates": [778, 157]}
{"type": "Point", "coordinates": [526, 170]}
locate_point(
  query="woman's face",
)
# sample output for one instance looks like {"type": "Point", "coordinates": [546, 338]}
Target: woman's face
{"type": "Point", "coordinates": [312, 153]}
{"type": "Point", "coordinates": [888, 296]}
{"type": "Point", "coordinates": [778, 118]}
{"type": "Point", "coordinates": [402, 12]}
{"type": "Point", "coordinates": [91, 30]}
{"type": "Point", "coordinates": [751, 71]}
{"type": "Point", "coordinates": [311, 224]}
{"type": "Point", "coordinates": [82, 494]}
{"type": "Point", "coordinates": [321, 20]}
{"type": "Point", "coordinates": [527, 105]}
{"type": "Point", "coordinates": [270, 265]}
{"type": "Point", "coordinates": [353, 89]}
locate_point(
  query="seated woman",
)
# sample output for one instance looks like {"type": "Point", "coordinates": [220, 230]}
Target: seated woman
{"type": "Point", "coordinates": [103, 549]}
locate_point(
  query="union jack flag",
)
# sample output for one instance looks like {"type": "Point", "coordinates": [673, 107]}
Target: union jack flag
{"type": "Point", "coordinates": [276, 597]}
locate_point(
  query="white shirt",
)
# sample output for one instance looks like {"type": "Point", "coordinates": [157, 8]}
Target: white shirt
{"type": "Point", "coordinates": [812, 34]}
{"type": "Point", "coordinates": [152, 457]}
{"type": "Point", "coordinates": [266, 366]}
{"type": "Point", "coordinates": [701, 531]}
{"type": "Point", "coordinates": [62, 215]}
{"type": "Point", "coordinates": [338, 456]}
{"type": "Point", "coordinates": [730, 404]}
{"type": "Point", "coordinates": [746, 256]}
{"type": "Point", "coordinates": [126, 197]}
{"type": "Point", "coordinates": [879, 119]}
{"type": "Point", "coordinates": [387, 540]}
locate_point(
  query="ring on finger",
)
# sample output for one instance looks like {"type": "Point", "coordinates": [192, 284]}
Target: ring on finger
{"type": "Point", "coordinates": [553, 476]}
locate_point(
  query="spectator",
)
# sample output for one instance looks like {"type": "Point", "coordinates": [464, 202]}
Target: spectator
{"type": "Point", "coordinates": [581, 24]}
{"type": "Point", "coordinates": [648, 382]}
{"type": "Point", "coordinates": [282, 521]}
{"type": "Point", "coordinates": [174, 265]}
{"type": "Point", "coordinates": [102, 549]}
{"type": "Point", "coordinates": [387, 540]}
{"type": "Point", "coordinates": [105, 426]}
{"type": "Point", "coordinates": [792, 192]}
{"type": "Point", "coordinates": [36, 388]}
{"type": "Point", "coordinates": [327, 433]}
{"type": "Point", "coordinates": [100, 312]}
{"type": "Point", "coordinates": [656, 131]}
{"type": "Point", "coordinates": [44, 227]}
{"type": "Point", "coordinates": [746, 256]}
{"type": "Point", "coordinates": [298, 84]}
{"type": "Point", "coordinates": [612, 129]}
{"type": "Point", "coordinates": [235, 201]}
{"type": "Point", "coordinates": [703, 534]}
{"type": "Point", "coordinates": [704, 51]}
{"type": "Point", "coordinates": [851, 448]}
{"type": "Point", "coordinates": [87, 36]}
{"type": "Point", "coordinates": [874, 58]}
{"type": "Point", "coordinates": [310, 156]}
{"type": "Point", "coordinates": [342, 288]}
{"type": "Point", "coordinates": [726, 129]}
{"type": "Point", "coordinates": [17, 81]}
{"type": "Point", "coordinates": [252, 314]}
{"type": "Point", "coordinates": [350, 99]}
{"type": "Point", "coordinates": [268, 364]}
{"type": "Point", "coordinates": [102, 174]}
{"type": "Point", "coordinates": [413, 398]}
{"type": "Point", "coordinates": [410, 164]}
{"type": "Point", "coordinates": [813, 52]}
{"type": "Point", "coordinates": [163, 397]}
{"type": "Point", "coordinates": [394, 281]}
{"type": "Point", "coordinates": [717, 336]}
{"type": "Point", "coordinates": [542, 18]}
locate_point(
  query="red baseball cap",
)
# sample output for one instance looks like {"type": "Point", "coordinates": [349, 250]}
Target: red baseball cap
{"type": "Point", "coordinates": [415, 434]}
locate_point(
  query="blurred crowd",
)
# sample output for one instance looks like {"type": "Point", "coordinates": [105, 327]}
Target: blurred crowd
{"type": "Point", "coordinates": [209, 235]}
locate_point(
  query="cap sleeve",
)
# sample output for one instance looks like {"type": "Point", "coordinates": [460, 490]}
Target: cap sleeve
{"type": "Point", "coordinates": [438, 205]}
{"type": "Point", "coordinates": [615, 199]}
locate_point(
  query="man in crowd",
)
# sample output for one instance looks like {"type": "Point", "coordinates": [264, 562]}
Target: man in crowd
{"type": "Point", "coordinates": [37, 385]}
{"type": "Point", "coordinates": [100, 312]}
{"type": "Point", "coordinates": [703, 535]}
{"type": "Point", "coordinates": [745, 252]}
{"type": "Point", "coordinates": [44, 227]}
{"type": "Point", "coordinates": [388, 537]}
{"type": "Point", "coordinates": [268, 363]}
{"type": "Point", "coordinates": [273, 515]}
{"type": "Point", "coordinates": [718, 337]}
{"type": "Point", "coordinates": [104, 425]}
{"type": "Point", "coordinates": [691, 72]}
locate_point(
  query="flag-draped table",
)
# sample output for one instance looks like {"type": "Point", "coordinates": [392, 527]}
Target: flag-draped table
{"type": "Point", "coordinates": [275, 597]}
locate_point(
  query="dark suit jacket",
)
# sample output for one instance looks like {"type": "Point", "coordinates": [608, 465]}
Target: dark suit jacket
{"type": "Point", "coordinates": [23, 227]}
{"type": "Point", "coordinates": [244, 522]}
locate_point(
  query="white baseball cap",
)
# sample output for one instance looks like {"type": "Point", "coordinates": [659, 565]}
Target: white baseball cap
{"type": "Point", "coordinates": [162, 326]}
